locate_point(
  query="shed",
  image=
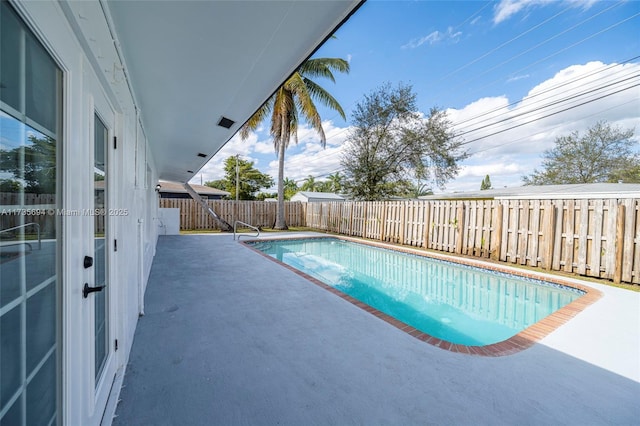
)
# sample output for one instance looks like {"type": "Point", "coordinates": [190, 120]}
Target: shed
{"type": "Point", "coordinates": [317, 197]}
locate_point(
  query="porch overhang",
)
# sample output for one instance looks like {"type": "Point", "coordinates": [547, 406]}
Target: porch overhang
{"type": "Point", "coordinates": [192, 63]}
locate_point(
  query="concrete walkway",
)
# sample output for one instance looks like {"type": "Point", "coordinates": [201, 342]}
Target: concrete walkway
{"type": "Point", "coordinates": [231, 338]}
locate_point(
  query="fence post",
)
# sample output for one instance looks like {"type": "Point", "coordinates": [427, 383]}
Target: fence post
{"type": "Point", "coordinates": [459, 226]}
{"type": "Point", "coordinates": [194, 213]}
{"type": "Point", "coordinates": [549, 234]}
{"type": "Point", "coordinates": [351, 219]}
{"type": "Point", "coordinates": [427, 225]}
{"type": "Point", "coordinates": [617, 267]}
{"type": "Point", "coordinates": [498, 232]}
{"type": "Point", "coordinates": [384, 220]}
{"type": "Point", "coordinates": [403, 222]}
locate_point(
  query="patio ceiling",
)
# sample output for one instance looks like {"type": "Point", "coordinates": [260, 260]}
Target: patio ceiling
{"type": "Point", "coordinates": [191, 63]}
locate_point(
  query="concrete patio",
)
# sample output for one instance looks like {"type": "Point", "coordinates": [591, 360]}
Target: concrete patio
{"type": "Point", "coordinates": [230, 337]}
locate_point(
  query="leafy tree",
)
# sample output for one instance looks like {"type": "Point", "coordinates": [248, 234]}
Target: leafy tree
{"type": "Point", "coordinates": [297, 96]}
{"type": "Point", "coordinates": [264, 195]}
{"type": "Point", "coordinates": [251, 179]}
{"type": "Point", "coordinates": [10, 185]}
{"type": "Point", "coordinates": [392, 144]}
{"type": "Point", "coordinates": [33, 165]}
{"type": "Point", "coordinates": [218, 184]}
{"type": "Point", "coordinates": [602, 154]}
{"type": "Point", "coordinates": [628, 174]}
{"type": "Point", "coordinates": [486, 183]}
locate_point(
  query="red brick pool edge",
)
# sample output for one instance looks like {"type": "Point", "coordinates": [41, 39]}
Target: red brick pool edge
{"type": "Point", "coordinates": [521, 341]}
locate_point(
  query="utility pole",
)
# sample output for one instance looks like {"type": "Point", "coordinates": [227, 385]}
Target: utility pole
{"type": "Point", "coordinates": [235, 209]}
{"type": "Point", "coordinates": [237, 177]}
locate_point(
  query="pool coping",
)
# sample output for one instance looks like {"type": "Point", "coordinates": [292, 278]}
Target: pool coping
{"type": "Point", "coordinates": [518, 342]}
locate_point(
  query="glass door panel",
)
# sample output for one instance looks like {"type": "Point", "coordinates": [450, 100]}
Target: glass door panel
{"type": "Point", "coordinates": [100, 237]}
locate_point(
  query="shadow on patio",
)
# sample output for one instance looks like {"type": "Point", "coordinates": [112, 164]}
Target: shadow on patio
{"type": "Point", "coordinates": [230, 337]}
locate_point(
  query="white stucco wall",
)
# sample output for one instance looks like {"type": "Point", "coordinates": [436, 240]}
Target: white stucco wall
{"type": "Point", "coordinates": [170, 221]}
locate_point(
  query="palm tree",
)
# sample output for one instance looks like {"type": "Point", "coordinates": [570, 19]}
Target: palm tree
{"type": "Point", "coordinates": [296, 96]}
{"type": "Point", "coordinates": [335, 182]}
{"type": "Point", "coordinates": [290, 188]}
{"type": "Point", "coordinates": [309, 184]}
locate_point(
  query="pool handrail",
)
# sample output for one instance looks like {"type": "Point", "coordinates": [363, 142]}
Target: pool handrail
{"type": "Point", "coordinates": [235, 227]}
{"type": "Point", "coordinates": [37, 225]}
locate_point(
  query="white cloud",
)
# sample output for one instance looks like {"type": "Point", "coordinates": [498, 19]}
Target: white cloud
{"type": "Point", "coordinates": [306, 158]}
{"type": "Point", "coordinates": [501, 173]}
{"type": "Point", "coordinates": [264, 147]}
{"type": "Point", "coordinates": [538, 128]}
{"type": "Point", "coordinates": [434, 38]}
{"type": "Point", "coordinates": [492, 169]}
{"type": "Point", "coordinates": [517, 77]}
{"type": "Point", "coordinates": [309, 158]}
{"type": "Point", "coordinates": [214, 169]}
{"type": "Point", "coordinates": [508, 8]}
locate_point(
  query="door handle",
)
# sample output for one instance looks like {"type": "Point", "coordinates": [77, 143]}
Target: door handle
{"type": "Point", "coordinates": [86, 290]}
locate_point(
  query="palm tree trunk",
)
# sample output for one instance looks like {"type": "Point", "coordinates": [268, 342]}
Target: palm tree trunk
{"type": "Point", "coordinates": [280, 222]}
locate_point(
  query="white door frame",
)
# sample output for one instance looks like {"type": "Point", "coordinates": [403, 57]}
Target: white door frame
{"type": "Point", "coordinates": [97, 394]}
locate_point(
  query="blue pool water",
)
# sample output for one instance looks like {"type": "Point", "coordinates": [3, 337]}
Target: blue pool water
{"type": "Point", "coordinates": [457, 303]}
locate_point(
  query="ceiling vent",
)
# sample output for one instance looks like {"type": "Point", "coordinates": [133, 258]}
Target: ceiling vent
{"type": "Point", "coordinates": [226, 122]}
{"type": "Point", "coordinates": [189, 171]}
{"type": "Point", "coordinates": [202, 155]}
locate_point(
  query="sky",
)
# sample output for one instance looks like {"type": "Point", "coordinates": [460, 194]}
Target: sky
{"type": "Point", "coordinates": [512, 75]}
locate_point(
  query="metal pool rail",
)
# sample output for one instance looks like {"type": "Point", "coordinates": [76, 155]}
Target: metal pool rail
{"type": "Point", "coordinates": [24, 226]}
{"type": "Point", "coordinates": [235, 227]}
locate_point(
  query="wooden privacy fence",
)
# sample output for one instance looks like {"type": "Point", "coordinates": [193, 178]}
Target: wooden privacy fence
{"type": "Point", "coordinates": [19, 209]}
{"type": "Point", "coordinates": [592, 237]}
{"type": "Point", "coordinates": [256, 213]}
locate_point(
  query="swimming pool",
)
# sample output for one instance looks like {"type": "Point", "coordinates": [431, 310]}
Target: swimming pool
{"type": "Point", "coordinates": [451, 302]}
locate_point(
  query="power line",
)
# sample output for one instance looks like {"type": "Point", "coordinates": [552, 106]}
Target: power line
{"type": "Point", "coordinates": [555, 53]}
{"type": "Point", "coordinates": [549, 115]}
{"type": "Point", "coordinates": [551, 104]}
{"type": "Point", "coordinates": [473, 15]}
{"type": "Point", "coordinates": [538, 45]}
{"type": "Point", "coordinates": [515, 126]}
{"type": "Point", "coordinates": [495, 120]}
{"type": "Point", "coordinates": [558, 86]}
{"type": "Point", "coordinates": [495, 49]}
{"type": "Point", "coordinates": [550, 90]}
{"type": "Point", "coordinates": [555, 87]}
{"type": "Point", "coordinates": [542, 132]}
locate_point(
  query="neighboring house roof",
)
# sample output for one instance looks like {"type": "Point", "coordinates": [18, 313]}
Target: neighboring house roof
{"type": "Point", "coordinates": [579, 190]}
{"type": "Point", "coordinates": [177, 188]}
{"type": "Point", "coordinates": [319, 195]}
